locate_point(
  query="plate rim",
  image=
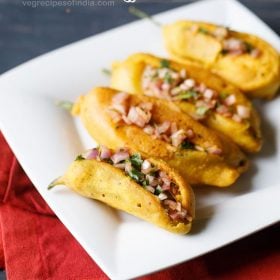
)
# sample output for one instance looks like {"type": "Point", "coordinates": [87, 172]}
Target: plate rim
{"type": "Point", "coordinates": [61, 49]}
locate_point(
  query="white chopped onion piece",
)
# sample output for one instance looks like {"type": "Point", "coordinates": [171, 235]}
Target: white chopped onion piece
{"type": "Point", "coordinates": [201, 88]}
{"type": "Point", "coordinates": [146, 106]}
{"type": "Point", "coordinates": [233, 44]}
{"type": "Point", "coordinates": [221, 32]}
{"type": "Point", "coordinates": [255, 53]}
{"type": "Point", "coordinates": [175, 75]}
{"type": "Point", "coordinates": [214, 150]}
{"type": "Point", "coordinates": [114, 115]}
{"type": "Point", "coordinates": [150, 189]}
{"type": "Point", "coordinates": [120, 98]}
{"type": "Point", "coordinates": [162, 174]}
{"type": "Point", "coordinates": [128, 166]}
{"type": "Point", "coordinates": [199, 148]}
{"type": "Point", "coordinates": [137, 116]}
{"type": "Point", "coordinates": [230, 100]}
{"type": "Point", "coordinates": [121, 108]}
{"type": "Point", "coordinates": [120, 165]}
{"type": "Point", "coordinates": [149, 129]}
{"type": "Point", "coordinates": [146, 165]}
{"type": "Point", "coordinates": [208, 93]}
{"type": "Point", "coordinates": [163, 127]}
{"type": "Point", "coordinates": [183, 86]}
{"type": "Point", "coordinates": [183, 73]}
{"type": "Point", "coordinates": [179, 206]}
{"type": "Point", "coordinates": [162, 196]}
{"type": "Point", "coordinates": [189, 83]}
{"type": "Point", "coordinates": [166, 181]}
{"type": "Point", "coordinates": [173, 127]}
{"type": "Point", "coordinates": [243, 111]}
{"type": "Point", "coordinates": [175, 91]}
{"type": "Point", "coordinates": [178, 137]}
{"type": "Point", "coordinates": [150, 178]}
{"type": "Point", "coordinates": [189, 218]}
{"type": "Point", "coordinates": [165, 187]}
{"type": "Point", "coordinates": [237, 118]}
{"type": "Point", "coordinates": [166, 86]}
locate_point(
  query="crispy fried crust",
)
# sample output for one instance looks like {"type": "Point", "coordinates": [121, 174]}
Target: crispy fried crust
{"type": "Point", "coordinates": [126, 76]}
{"type": "Point", "coordinates": [257, 77]}
{"type": "Point", "coordinates": [196, 167]}
{"type": "Point", "coordinates": [106, 183]}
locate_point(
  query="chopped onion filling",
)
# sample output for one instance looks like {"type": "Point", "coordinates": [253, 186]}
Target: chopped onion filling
{"type": "Point", "coordinates": [141, 116]}
{"type": "Point", "coordinates": [181, 87]}
{"type": "Point", "coordinates": [147, 175]}
{"type": "Point", "coordinates": [231, 45]}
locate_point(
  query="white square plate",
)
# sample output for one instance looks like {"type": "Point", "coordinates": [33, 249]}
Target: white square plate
{"type": "Point", "coordinates": [46, 139]}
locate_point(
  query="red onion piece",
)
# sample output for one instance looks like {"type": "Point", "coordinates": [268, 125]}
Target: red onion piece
{"type": "Point", "coordinates": [178, 137]}
{"type": "Point", "coordinates": [120, 156]}
{"type": "Point", "coordinates": [93, 154]}
{"type": "Point", "coordinates": [163, 127]}
{"type": "Point", "coordinates": [120, 98]}
{"type": "Point", "coordinates": [170, 203]}
{"type": "Point", "coordinates": [105, 152]}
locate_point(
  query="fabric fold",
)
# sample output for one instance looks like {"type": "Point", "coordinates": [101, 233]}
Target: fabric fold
{"type": "Point", "coordinates": [36, 245]}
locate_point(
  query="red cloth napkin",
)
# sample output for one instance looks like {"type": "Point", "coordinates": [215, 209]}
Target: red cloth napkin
{"type": "Point", "coordinates": [36, 245]}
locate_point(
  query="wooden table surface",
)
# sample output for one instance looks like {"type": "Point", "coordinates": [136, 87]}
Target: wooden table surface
{"type": "Point", "coordinates": [26, 32]}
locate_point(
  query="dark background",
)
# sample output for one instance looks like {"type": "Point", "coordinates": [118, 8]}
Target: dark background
{"type": "Point", "coordinates": [27, 32]}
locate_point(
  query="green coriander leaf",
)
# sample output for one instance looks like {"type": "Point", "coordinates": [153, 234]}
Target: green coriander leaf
{"type": "Point", "coordinates": [164, 63]}
{"type": "Point", "coordinates": [141, 14]}
{"type": "Point", "coordinates": [79, 157]}
{"type": "Point", "coordinates": [66, 105]}
{"type": "Point", "coordinates": [107, 72]}
{"type": "Point", "coordinates": [108, 160]}
{"type": "Point", "coordinates": [218, 104]}
{"type": "Point", "coordinates": [203, 30]}
{"type": "Point", "coordinates": [224, 95]}
{"type": "Point", "coordinates": [158, 190]}
{"type": "Point", "coordinates": [201, 111]}
{"type": "Point", "coordinates": [145, 183]}
{"type": "Point", "coordinates": [187, 145]}
{"type": "Point", "coordinates": [153, 172]}
{"type": "Point", "coordinates": [249, 47]}
{"type": "Point", "coordinates": [136, 160]}
{"type": "Point", "coordinates": [167, 78]}
{"type": "Point", "coordinates": [187, 94]}
{"type": "Point", "coordinates": [155, 75]}
{"type": "Point", "coordinates": [136, 175]}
